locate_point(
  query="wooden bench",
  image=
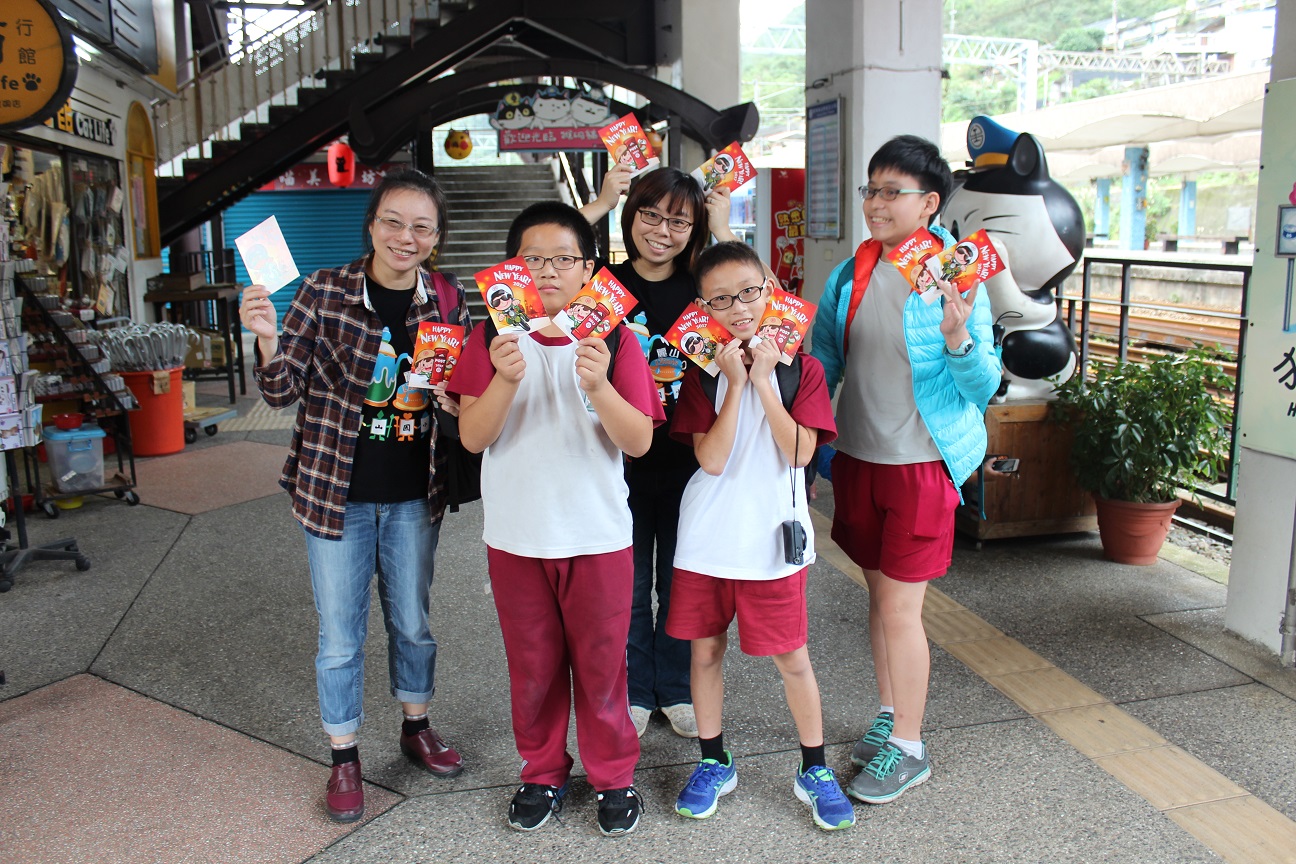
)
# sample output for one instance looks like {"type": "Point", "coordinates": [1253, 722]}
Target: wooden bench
{"type": "Point", "coordinates": [1230, 243]}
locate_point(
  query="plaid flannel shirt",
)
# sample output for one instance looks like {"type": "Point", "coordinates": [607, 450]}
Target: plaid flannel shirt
{"type": "Point", "coordinates": [327, 352]}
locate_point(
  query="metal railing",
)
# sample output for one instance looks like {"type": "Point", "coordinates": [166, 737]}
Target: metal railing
{"type": "Point", "coordinates": [1086, 301]}
{"type": "Point", "coordinates": [266, 71]}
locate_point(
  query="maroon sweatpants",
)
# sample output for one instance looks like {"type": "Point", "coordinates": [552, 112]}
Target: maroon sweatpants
{"type": "Point", "coordinates": [565, 623]}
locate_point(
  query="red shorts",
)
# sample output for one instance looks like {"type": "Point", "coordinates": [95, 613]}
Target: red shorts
{"type": "Point", "coordinates": [771, 612]}
{"type": "Point", "coordinates": [895, 518]}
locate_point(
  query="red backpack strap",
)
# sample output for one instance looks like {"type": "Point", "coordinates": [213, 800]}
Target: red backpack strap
{"type": "Point", "coordinates": [866, 258]}
{"type": "Point", "coordinates": [447, 297]}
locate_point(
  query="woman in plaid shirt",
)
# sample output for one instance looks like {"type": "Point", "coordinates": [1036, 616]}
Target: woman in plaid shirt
{"type": "Point", "coordinates": [363, 469]}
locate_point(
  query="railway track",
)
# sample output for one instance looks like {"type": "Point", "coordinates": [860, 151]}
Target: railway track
{"type": "Point", "coordinates": [1174, 333]}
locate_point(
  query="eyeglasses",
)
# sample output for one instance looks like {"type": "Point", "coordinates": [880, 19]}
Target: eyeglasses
{"type": "Point", "coordinates": [395, 226]}
{"type": "Point", "coordinates": [886, 192]}
{"type": "Point", "coordinates": [653, 218]}
{"type": "Point", "coordinates": [724, 301]}
{"type": "Point", "coordinates": [560, 262]}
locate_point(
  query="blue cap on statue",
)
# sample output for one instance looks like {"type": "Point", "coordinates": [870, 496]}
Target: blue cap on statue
{"type": "Point", "coordinates": [988, 142]}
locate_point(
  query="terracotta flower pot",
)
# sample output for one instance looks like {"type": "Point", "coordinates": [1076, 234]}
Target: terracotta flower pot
{"type": "Point", "coordinates": [1133, 533]}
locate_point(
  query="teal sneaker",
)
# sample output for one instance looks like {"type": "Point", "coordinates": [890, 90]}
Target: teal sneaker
{"type": "Point", "coordinates": [818, 788]}
{"type": "Point", "coordinates": [708, 782]}
{"type": "Point", "coordinates": [889, 775]}
{"type": "Point", "coordinates": [878, 733]}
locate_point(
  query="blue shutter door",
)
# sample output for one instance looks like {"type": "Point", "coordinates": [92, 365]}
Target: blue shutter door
{"type": "Point", "coordinates": [322, 230]}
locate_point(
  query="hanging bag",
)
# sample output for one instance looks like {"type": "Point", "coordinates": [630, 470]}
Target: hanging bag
{"type": "Point", "coordinates": [463, 467]}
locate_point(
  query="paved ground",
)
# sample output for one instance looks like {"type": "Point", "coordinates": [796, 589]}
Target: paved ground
{"type": "Point", "coordinates": [161, 706]}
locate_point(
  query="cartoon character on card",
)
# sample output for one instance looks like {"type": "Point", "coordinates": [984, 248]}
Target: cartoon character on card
{"type": "Point", "coordinates": [698, 346]}
{"type": "Point", "coordinates": [769, 326]}
{"type": "Point", "coordinates": [500, 298]}
{"type": "Point", "coordinates": [1038, 230]}
{"type": "Point", "coordinates": [720, 168]}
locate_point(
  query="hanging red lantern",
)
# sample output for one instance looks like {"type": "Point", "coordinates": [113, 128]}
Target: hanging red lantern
{"type": "Point", "coordinates": [341, 164]}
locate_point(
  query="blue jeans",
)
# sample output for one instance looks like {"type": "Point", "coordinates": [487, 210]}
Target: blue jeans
{"type": "Point", "coordinates": [399, 542]}
{"type": "Point", "coordinates": [658, 664]}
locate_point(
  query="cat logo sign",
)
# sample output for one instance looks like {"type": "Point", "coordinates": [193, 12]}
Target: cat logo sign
{"type": "Point", "coordinates": [38, 65]}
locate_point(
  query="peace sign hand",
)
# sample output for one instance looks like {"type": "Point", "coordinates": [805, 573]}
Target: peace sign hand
{"type": "Point", "coordinates": [957, 310]}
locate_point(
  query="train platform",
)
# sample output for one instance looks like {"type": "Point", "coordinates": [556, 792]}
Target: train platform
{"type": "Point", "coordinates": [160, 707]}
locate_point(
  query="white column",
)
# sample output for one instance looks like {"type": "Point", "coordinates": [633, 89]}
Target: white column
{"type": "Point", "coordinates": [1262, 547]}
{"type": "Point", "coordinates": [884, 58]}
{"type": "Point", "coordinates": [701, 55]}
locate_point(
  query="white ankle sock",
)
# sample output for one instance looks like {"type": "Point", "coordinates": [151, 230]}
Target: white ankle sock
{"type": "Point", "coordinates": [910, 748]}
{"type": "Point", "coordinates": [887, 709]}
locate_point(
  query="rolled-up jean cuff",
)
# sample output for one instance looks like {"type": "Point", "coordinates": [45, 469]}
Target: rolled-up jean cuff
{"type": "Point", "coordinates": [412, 698]}
{"type": "Point", "coordinates": [339, 730]}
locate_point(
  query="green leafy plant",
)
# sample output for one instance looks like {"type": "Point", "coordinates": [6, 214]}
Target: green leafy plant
{"type": "Point", "coordinates": [1142, 432]}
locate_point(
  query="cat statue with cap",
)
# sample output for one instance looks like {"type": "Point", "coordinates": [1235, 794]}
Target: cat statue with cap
{"type": "Point", "coordinates": [1038, 229]}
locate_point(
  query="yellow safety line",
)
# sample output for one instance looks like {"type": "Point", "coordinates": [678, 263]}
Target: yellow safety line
{"type": "Point", "coordinates": [1228, 819]}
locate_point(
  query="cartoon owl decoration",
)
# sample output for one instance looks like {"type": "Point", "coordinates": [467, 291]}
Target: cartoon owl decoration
{"type": "Point", "coordinates": [458, 144]}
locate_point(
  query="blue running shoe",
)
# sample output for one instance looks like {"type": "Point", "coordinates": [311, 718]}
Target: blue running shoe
{"type": "Point", "coordinates": [819, 789]}
{"type": "Point", "coordinates": [705, 785]}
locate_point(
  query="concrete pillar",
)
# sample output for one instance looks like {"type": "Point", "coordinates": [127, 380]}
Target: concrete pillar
{"type": "Point", "coordinates": [703, 57]}
{"type": "Point", "coordinates": [1188, 208]}
{"type": "Point", "coordinates": [1133, 210]}
{"type": "Point", "coordinates": [1102, 207]}
{"type": "Point", "coordinates": [884, 58]}
{"type": "Point", "coordinates": [1259, 578]}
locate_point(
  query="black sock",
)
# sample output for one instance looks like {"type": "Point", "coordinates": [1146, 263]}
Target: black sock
{"type": "Point", "coordinates": [812, 757]}
{"type": "Point", "coordinates": [350, 754]}
{"type": "Point", "coordinates": [713, 748]}
{"type": "Point", "coordinates": [413, 727]}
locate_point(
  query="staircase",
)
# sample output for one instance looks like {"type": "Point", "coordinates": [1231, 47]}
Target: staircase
{"type": "Point", "coordinates": [482, 202]}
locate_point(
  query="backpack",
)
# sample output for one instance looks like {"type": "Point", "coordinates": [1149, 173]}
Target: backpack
{"type": "Point", "coordinates": [787, 375]}
{"type": "Point", "coordinates": [463, 467]}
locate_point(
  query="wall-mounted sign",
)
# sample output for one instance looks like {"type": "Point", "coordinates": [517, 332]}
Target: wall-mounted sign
{"type": "Point", "coordinates": [824, 169]}
{"type": "Point", "coordinates": [312, 177]}
{"type": "Point", "coordinates": [38, 65]}
{"type": "Point", "coordinates": [552, 118]}
{"type": "Point", "coordinates": [83, 125]}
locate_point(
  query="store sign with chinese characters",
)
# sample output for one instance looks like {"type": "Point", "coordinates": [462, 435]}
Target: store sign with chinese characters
{"type": "Point", "coordinates": [38, 65]}
{"type": "Point", "coordinates": [101, 130]}
{"type": "Point", "coordinates": [314, 176]}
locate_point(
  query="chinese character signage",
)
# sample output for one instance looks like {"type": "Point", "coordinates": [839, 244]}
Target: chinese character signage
{"type": "Point", "coordinates": [785, 211]}
{"type": "Point", "coordinates": [38, 65]}
{"type": "Point", "coordinates": [552, 118]}
{"type": "Point", "coordinates": [310, 177]}
{"type": "Point", "coordinates": [1267, 406]}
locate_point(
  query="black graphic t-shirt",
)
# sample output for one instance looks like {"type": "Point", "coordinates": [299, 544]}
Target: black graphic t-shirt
{"type": "Point", "coordinates": [391, 456]}
{"type": "Point", "coordinates": [660, 303]}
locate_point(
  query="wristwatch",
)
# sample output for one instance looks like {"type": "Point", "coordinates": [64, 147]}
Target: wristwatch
{"type": "Point", "coordinates": [963, 350]}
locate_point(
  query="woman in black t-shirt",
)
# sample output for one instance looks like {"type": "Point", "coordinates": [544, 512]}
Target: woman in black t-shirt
{"type": "Point", "coordinates": [666, 221]}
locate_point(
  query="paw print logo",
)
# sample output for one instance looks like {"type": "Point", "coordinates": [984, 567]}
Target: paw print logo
{"type": "Point", "coordinates": [31, 81]}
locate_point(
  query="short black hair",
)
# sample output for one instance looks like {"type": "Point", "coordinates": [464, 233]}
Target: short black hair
{"type": "Point", "coordinates": [672, 184]}
{"type": "Point", "coordinates": [728, 252]}
{"type": "Point", "coordinates": [552, 213]}
{"type": "Point", "coordinates": [415, 181]}
{"type": "Point", "coordinates": [917, 157]}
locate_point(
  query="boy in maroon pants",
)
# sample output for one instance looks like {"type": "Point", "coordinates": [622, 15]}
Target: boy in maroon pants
{"type": "Point", "coordinates": [553, 423]}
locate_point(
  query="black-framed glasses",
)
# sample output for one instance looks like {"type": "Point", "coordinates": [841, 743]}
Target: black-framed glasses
{"type": "Point", "coordinates": [395, 226]}
{"type": "Point", "coordinates": [887, 193]}
{"type": "Point", "coordinates": [746, 295]}
{"type": "Point", "coordinates": [560, 262]}
{"type": "Point", "coordinates": [653, 218]}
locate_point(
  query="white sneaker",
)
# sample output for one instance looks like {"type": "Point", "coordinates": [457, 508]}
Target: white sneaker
{"type": "Point", "coordinates": [682, 719]}
{"type": "Point", "coordinates": [640, 717]}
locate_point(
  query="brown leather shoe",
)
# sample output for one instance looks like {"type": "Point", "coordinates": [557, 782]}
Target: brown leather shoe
{"type": "Point", "coordinates": [345, 799]}
{"type": "Point", "coordinates": [427, 749]}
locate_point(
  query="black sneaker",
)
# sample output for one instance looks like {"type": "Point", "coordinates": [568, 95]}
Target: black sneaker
{"type": "Point", "coordinates": [533, 804]}
{"type": "Point", "coordinates": [618, 811]}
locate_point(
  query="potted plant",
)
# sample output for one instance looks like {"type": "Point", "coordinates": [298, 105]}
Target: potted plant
{"type": "Point", "coordinates": [1142, 433]}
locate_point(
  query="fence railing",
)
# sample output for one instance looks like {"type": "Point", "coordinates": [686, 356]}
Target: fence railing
{"type": "Point", "coordinates": [266, 71]}
{"type": "Point", "coordinates": [1173, 335]}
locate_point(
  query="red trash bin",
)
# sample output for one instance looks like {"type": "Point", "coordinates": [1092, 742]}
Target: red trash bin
{"type": "Point", "coordinates": [157, 428]}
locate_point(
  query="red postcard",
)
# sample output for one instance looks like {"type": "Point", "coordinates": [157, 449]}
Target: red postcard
{"type": "Point", "coordinates": [728, 169]}
{"type": "Point", "coordinates": [910, 259]}
{"type": "Point", "coordinates": [512, 297]}
{"type": "Point", "coordinates": [787, 321]}
{"type": "Point", "coordinates": [971, 260]}
{"type": "Point", "coordinates": [628, 145]}
{"type": "Point", "coordinates": [699, 336]}
{"type": "Point", "coordinates": [436, 351]}
{"type": "Point", "coordinates": [596, 308]}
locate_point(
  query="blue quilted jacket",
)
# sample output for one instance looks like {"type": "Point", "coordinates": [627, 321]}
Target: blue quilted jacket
{"type": "Point", "coordinates": [951, 392]}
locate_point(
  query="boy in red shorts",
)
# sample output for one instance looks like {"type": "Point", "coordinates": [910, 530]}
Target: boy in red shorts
{"type": "Point", "coordinates": [731, 558]}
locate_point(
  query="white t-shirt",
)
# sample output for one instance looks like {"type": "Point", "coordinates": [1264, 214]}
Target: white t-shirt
{"type": "Point", "coordinates": [731, 526]}
{"type": "Point", "coordinates": [879, 419]}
